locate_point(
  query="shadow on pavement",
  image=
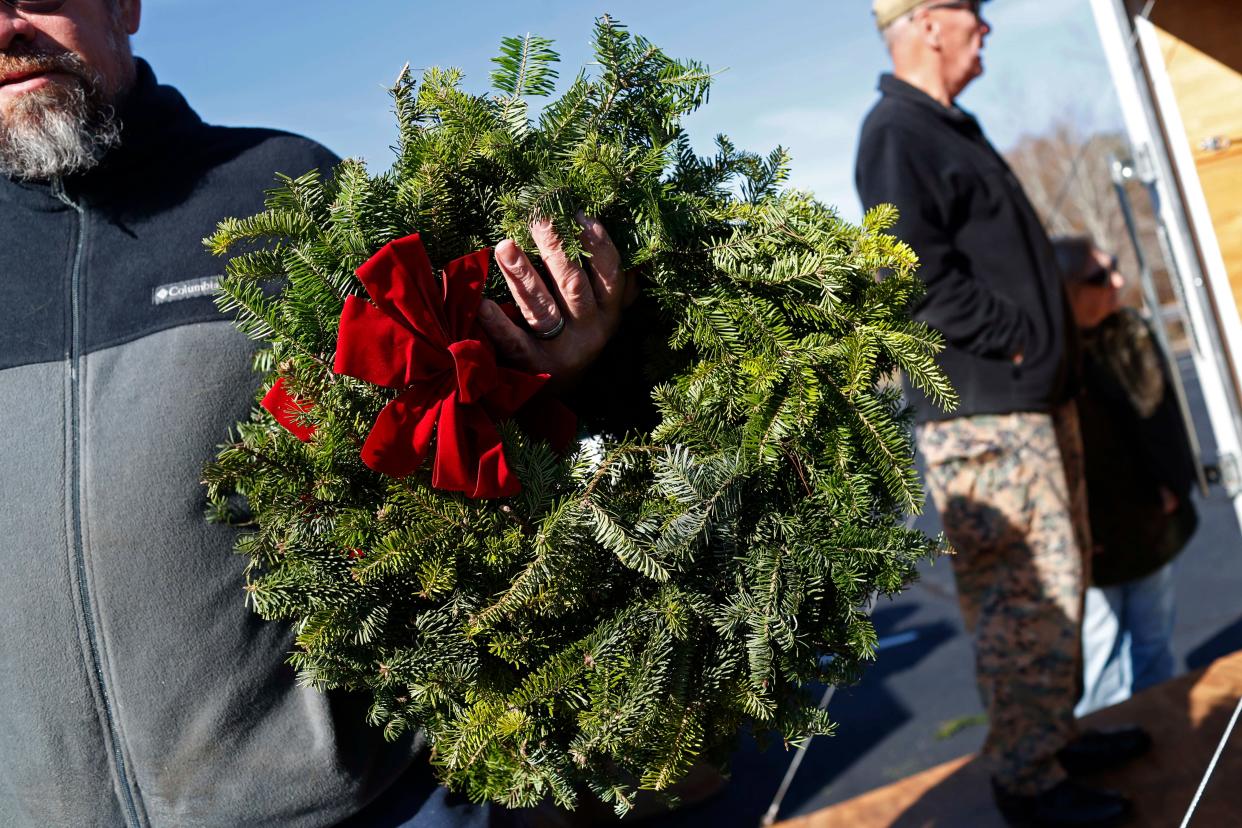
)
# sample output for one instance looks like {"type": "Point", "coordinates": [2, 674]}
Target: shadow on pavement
{"type": "Point", "coordinates": [1228, 640]}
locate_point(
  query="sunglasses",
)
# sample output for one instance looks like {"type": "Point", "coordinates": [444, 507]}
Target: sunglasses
{"type": "Point", "coordinates": [1100, 276]}
{"type": "Point", "coordinates": [34, 6]}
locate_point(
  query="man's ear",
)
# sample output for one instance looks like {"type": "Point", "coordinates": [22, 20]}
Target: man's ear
{"type": "Point", "coordinates": [131, 15]}
{"type": "Point", "coordinates": [930, 28]}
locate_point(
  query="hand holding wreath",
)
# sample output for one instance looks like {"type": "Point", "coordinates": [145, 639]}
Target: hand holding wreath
{"type": "Point", "coordinates": [569, 322]}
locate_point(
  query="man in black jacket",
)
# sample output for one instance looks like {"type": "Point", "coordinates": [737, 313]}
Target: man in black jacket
{"type": "Point", "coordinates": [137, 689]}
{"type": "Point", "coordinates": [1004, 468]}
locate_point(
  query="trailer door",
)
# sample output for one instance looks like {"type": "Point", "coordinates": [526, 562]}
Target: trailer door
{"type": "Point", "coordinates": [1177, 68]}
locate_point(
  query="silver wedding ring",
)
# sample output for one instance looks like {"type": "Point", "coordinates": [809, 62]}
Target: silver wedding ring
{"type": "Point", "coordinates": [551, 333]}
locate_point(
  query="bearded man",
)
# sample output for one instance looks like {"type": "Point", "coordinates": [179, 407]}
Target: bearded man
{"type": "Point", "coordinates": [58, 111]}
{"type": "Point", "coordinates": [137, 688]}
{"type": "Point", "coordinates": [1005, 468]}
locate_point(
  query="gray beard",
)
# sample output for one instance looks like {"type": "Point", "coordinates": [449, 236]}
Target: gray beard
{"type": "Point", "coordinates": [59, 130]}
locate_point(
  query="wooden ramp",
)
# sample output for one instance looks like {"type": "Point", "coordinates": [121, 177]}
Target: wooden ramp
{"type": "Point", "coordinates": [1186, 718]}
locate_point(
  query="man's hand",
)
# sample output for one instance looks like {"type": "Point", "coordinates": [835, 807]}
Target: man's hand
{"type": "Point", "coordinates": [577, 313]}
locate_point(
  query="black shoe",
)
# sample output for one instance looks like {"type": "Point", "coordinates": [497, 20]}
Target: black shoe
{"type": "Point", "coordinates": [1099, 750]}
{"type": "Point", "coordinates": [1067, 804]}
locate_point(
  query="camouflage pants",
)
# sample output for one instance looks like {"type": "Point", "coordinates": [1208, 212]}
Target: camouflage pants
{"type": "Point", "coordinates": [1012, 499]}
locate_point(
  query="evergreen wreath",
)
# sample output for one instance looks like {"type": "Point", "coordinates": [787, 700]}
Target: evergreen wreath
{"type": "Point", "coordinates": [707, 551]}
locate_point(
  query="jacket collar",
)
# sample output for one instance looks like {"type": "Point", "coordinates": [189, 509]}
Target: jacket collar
{"type": "Point", "coordinates": [893, 87]}
{"type": "Point", "coordinates": [153, 118]}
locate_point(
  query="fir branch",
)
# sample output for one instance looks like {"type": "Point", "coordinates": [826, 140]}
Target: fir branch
{"type": "Point", "coordinates": [525, 66]}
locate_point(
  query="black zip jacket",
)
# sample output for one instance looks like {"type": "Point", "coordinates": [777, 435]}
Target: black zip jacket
{"type": "Point", "coordinates": [1134, 444]}
{"type": "Point", "coordinates": [136, 687]}
{"type": "Point", "coordinates": [994, 289]}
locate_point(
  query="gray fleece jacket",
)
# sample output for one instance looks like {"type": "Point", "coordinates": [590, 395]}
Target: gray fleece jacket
{"type": "Point", "coordinates": [136, 688]}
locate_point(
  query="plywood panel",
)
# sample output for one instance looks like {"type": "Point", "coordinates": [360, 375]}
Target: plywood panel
{"type": "Point", "coordinates": [1208, 88]}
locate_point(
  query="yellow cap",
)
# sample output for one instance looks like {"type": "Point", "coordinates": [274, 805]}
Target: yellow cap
{"type": "Point", "coordinates": [886, 11]}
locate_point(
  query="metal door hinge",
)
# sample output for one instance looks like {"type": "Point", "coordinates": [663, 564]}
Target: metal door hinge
{"type": "Point", "coordinates": [1226, 473]}
{"type": "Point", "coordinates": [1215, 143]}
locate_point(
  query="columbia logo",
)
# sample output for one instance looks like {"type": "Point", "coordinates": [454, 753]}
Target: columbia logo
{"type": "Point", "coordinates": [189, 289]}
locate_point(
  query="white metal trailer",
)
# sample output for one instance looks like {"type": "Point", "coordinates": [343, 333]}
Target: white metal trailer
{"type": "Point", "coordinates": [1177, 69]}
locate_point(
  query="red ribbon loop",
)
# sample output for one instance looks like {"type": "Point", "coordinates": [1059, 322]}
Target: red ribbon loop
{"type": "Point", "coordinates": [285, 408]}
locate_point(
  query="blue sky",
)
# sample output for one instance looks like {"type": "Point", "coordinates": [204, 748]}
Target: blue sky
{"type": "Point", "coordinates": [797, 73]}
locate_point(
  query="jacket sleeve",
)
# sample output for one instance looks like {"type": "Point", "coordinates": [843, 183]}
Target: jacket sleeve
{"type": "Point", "coordinates": [971, 316]}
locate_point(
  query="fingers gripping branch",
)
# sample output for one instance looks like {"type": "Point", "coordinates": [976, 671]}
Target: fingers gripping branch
{"type": "Point", "coordinates": [587, 300]}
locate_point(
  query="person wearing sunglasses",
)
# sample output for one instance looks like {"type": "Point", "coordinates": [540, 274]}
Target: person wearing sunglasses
{"type": "Point", "coordinates": [137, 688]}
{"type": "Point", "coordinates": [1140, 472]}
{"type": "Point", "coordinates": [1003, 468]}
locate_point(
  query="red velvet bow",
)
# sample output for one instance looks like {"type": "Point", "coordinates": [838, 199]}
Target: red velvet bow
{"type": "Point", "coordinates": [426, 342]}
{"type": "Point", "coordinates": [285, 408]}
